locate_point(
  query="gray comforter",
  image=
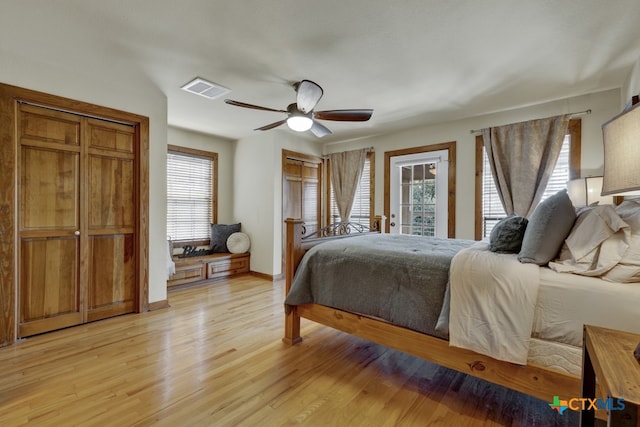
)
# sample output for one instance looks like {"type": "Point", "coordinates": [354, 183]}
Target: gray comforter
{"type": "Point", "coordinates": [398, 278]}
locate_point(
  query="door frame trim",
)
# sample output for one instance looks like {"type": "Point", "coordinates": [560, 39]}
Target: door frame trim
{"type": "Point", "coordinates": [451, 198]}
{"type": "Point", "coordinates": [9, 98]}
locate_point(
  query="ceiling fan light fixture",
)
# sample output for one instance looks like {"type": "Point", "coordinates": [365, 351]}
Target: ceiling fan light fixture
{"type": "Point", "coordinates": [299, 123]}
{"type": "Point", "coordinates": [301, 116]}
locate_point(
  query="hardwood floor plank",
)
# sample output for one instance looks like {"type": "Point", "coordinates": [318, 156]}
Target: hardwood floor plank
{"type": "Point", "coordinates": [215, 358]}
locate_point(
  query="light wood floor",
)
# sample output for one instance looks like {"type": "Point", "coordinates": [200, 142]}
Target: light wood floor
{"type": "Point", "coordinates": [214, 358]}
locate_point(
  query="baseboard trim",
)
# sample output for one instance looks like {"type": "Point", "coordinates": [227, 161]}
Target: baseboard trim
{"type": "Point", "coordinates": [267, 276]}
{"type": "Point", "coordinates": [158, 305]}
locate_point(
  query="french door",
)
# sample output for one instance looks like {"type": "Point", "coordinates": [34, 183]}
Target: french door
{"type": "Point", "coordinates": [420, 187]}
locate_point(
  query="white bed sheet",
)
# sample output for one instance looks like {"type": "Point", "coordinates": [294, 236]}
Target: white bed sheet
{"type": "Point", "coordinates": [568, 301]}
{"type": "Point", "coordinates": [493, 299]}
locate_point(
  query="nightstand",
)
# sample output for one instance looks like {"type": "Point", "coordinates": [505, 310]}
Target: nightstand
{"type": "Point", "coordinates": [608, 358]}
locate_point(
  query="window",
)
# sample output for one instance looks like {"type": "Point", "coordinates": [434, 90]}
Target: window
{"type": "Point", "coordinates": [191, 193]}
{"type": "Point", "coordinates": [361, 211]}
{"type": "Point", "coordinates": [489, 209]}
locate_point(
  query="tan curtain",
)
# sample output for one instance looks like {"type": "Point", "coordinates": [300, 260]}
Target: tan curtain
{"type": "Point", "coordinates": [346, 168]}
{"type": "Point", "coordinates": [522, 157]}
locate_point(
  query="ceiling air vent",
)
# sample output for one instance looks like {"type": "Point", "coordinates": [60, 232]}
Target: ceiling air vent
{"type": "Point", "coordinates": [205, 88]}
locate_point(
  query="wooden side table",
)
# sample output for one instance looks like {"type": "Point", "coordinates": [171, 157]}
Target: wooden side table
{"type": "Point", "coordinates": [608, 357]}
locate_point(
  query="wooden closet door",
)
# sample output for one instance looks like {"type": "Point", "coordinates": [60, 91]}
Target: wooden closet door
{"type": "Point", "coordinates": [49, 295]}
{"type": "Point", "coordinates": [301, 192]}
{"type": "Point", "coordinates": [311, 196]}
{"type": "Point", "coordinates": [292, 189]}
{"type": "Point", "coordinates": [111, 214]}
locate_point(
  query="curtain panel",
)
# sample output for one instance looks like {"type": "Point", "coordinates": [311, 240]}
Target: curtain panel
{"type": "Point", "coordinates": [522, 157]}
{"type": "Point", "coordinates": [346, 168]}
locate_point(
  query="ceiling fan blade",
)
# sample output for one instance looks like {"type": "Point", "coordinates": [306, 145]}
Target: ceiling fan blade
{"type": "Point", "coordinates": [319, 130]}
{"type": "Point", "coordinates": [272, 125]}
{"type": "Point", "coordinates": [255, 107]}
{"type": "Point", "coordinates": [309, 93]}
{"type": "Point", "coordinates": [344, 115]}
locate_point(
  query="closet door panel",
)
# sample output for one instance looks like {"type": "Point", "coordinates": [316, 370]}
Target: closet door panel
{"type": "Point", "coordinates": [47, 125]}
{"type": "Point", "coordinates": [113, 137]}
{"type": "Point", "coordinates": [48, 277]}
{"type": "Point", "coordinates": [112, 273]}
{"type": "Point", "coordinates": [311, 196]}
{"type": "Point", "coordinates": [111, 217]}
{"type": "Point", "coordinates": [49, 189]}
{"type": "Point", "coordinates": [292, 189]}
{"type": "Point", "coordinates": [49, 295]}
{"type": "Point", "coordinates": [111, 193]}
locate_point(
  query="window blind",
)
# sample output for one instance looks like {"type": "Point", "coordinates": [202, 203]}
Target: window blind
{"type": "Point", "coordinates": [189, 196]}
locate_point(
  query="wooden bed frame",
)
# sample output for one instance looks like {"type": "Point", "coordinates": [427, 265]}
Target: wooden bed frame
{"type": "Point", "coordinates": [534, 380]}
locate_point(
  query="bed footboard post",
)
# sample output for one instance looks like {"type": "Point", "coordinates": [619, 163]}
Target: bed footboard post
{"type": "Point", "coordinates": [293, 255]}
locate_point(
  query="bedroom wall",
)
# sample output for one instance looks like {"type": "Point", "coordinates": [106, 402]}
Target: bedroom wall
{"type": "Point", "coordinates": [257, 176]}
{"type": "Point", "coordinates": [604, 105]}
{"type": "Point", "coordinates": [632, 84]}
{"type": "Point", "coordinates": [224, 148]}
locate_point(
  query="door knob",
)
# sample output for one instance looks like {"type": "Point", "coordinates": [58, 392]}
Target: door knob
{"type": "Point", "coordinates": [393, 224]}
{"type": "Point", "coordinates": [77, 232]}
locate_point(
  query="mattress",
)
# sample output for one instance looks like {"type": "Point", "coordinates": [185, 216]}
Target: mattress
{"type": "Point", "coordinates": [566, 302]}
{"type": "Point", "coordinates": [557, 356]}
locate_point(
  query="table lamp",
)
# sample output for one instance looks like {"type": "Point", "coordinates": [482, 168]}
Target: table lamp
{"type": "Point", "coordinates": [621, 137]}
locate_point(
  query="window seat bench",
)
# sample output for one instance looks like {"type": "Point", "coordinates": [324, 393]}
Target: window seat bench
{"type": "Point", "coordinates": [200, 269]}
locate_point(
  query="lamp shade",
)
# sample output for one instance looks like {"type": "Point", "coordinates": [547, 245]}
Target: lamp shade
{"type": "Point", "coordinates": [586, 191]}
{"type": "Point", "coordinates": [621, 137]}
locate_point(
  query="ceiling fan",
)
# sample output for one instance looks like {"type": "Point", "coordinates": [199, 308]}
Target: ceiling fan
{"type": "Point", "coordinates": [300, 114]}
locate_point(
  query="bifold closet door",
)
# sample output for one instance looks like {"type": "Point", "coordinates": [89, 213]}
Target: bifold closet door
{"type": "Point", "coordinates": [77, 214]}
{"type": "Point", "coordinates": [49, 220]}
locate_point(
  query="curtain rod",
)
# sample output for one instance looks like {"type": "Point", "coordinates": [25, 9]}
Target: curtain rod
{"type": "Point", "coordinates": [571, 115]}
{"type": "Point", "coordinates": [368, 150]}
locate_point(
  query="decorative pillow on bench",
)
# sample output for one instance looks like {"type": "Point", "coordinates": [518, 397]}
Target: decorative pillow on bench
{"type": "Point", "coordinates": [219, 235]}
{"type": "Point", "coordinates": [238, 243]}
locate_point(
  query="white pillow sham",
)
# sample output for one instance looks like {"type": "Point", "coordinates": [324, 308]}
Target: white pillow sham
{"type": "Point", "coordinates": [596, 243]}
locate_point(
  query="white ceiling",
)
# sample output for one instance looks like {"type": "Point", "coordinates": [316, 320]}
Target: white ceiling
{"type": "Point", "coordinates": [412, 61]}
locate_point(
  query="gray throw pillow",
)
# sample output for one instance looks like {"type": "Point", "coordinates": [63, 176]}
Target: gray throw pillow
{"type": "Point", "coordinates": [506, 236]}
{"type": "Point", "coordinates": [548, 227]}
{"type": "Point", "coordinates": [219, 235]}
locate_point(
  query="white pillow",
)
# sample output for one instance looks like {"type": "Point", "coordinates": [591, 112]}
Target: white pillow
{"type": "Point", "coordinates": [628, 269]}
{"type": "Point", "coordinates": [238, 243]}
{"type": "Point", "coordinates": [596, 244]}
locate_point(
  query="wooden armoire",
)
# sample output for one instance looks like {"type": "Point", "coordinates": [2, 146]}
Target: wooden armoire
{"type": "Point", "coordinates": [74, 213]}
